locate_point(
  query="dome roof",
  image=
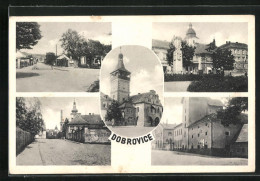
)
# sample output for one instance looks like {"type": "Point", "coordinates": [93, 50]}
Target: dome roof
{"type": "Point", "coordinates": [191, 32]}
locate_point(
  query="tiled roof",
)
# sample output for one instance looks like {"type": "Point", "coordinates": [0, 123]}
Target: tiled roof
{"type": "Point", "coordinates": [215, 102]}
{"type": "Point", "coordinates": [234, 45]}
{"type": "Point", "coordinates": [126, 105]}
{"type": "Point", "coordinates": [202, 49]}
{"type": "Point", "coordinates": [142, 98]}
{"type": "Point", "coordinates": [105, 97]}
{"type": "Point", "coordinates": [160, 44]}
{"type": "Point", "coordinates": [86, 120]}
{"type": "Point", "coordinates": [243, 135]}
{"type": "Point", "coordinates": [210, 117]}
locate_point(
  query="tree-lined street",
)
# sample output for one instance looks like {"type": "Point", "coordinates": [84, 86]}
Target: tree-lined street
{"type": "Point", "coordinates": [161, 157]}
{"type": "Point", "coordinates": [64, 152]}
{"type": "Point", "coordinates": [44, 78]}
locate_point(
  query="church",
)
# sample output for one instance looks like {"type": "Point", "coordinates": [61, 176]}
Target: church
{"type": "Point", "coordinates": [85, 128]}
{"type": "Point", "coordinates": [142, 110]}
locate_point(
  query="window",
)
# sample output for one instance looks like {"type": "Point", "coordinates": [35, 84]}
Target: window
{"type": "Point", "coordinates": [227, 133]}
{"type": "Point", "coordinates": [198, 135]}
{"type": "Point", "coordinates": [191, 136]}
{"type": "Point", "coordinates": [206, 133]}
{"type": "Point", "coordinates": [198, 126]}
{"type": "Point", "coordinates": [206, 124]}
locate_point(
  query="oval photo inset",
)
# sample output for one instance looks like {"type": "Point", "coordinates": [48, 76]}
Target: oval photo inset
{"type": "Point", "coordinates": [131, 90]}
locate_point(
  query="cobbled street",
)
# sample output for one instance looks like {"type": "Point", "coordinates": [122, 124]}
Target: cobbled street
{"type": "Point", "coordinates": [161, 157]}
{"type": "Point", "coordinates": [64, 152]}
{"type": "Point", "coordinates": [43, 78]}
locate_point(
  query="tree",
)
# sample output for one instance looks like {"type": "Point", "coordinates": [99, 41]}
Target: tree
{"type": "Point", "coordinates": [72, 43]}
{"type": "Point", "coordinates": [114, 113]}
{"type": "Point", "coordinates": [223, 59]}
{"type": "Point", "coordinates": [28, 115]}
{"type": "Point", "coordinates": [231, 114]}
{"type": "Point", "coordinates": [27, 35]}
{"type": "Point", "coordinates": [50, 58]}
{"type": "Point", "coordinates": [187, 53]}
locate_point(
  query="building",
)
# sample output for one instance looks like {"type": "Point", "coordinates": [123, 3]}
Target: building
{"type": "Point", "coordinates": [240, 53]}
{"type": "Point", "coordinates": [65, 61]}
{"type": "Point", "coordinates": [22, 60]}
{"type": "Point", "coordinates": [164, 136]}
{"type": "Point", "coordinates": [143, 109]}
{"type": "Point", "coordinates": [178, 137]}
{"type": "Point", "coordinates": [239, 148]}
{"type": "Point", "coordinates": [86, 128]}
{"type": "Point", "coordinates": [209, 136]}
{"type": "Point", "coordinates": [160, 48]}
{"type": "Point", "coordinates": [93, 63]}
{"type": "Point", "coordinates": [52, 133]}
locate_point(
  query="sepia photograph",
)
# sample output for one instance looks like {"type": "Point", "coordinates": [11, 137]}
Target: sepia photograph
{"type": "Point", "coordinates": [131, 100]}
{"type": "Point", "coordinates": [60, 56]}
{"type": "Point", "coordinates": [202, 56]}
{"type": "Point", "coordinates": [202, 131]}
{"type": "Point", "coordinates": [60, 131]}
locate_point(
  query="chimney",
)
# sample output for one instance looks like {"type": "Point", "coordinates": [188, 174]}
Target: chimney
{"type": "Point", "coordinates": [89, 113]}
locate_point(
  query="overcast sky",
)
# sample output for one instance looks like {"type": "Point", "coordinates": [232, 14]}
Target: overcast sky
{"type": "Point", "coordinates": [145, 68]}
{"type": "Point", "coordinates": [173, 109]}
{"type": "Point", "coordinates": [52, 106]}
{"type": "Point", "coordinates": [52, 32]}
{"type": "Point", "coordinates": [222, 32]}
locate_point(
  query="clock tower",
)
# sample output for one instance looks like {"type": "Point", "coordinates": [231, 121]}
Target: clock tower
{"type": "Point", "coordinates": [120, 81]}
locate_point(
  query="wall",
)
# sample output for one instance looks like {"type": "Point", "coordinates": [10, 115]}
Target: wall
{"type": "Point", "coordinates": [140, 114]}
{"type": "Point", "coordinates": [239, 149]}
{"type": "Point", "coordinates": [97, 135]}
{"type": "Point", "coordinates": [202, 128]}
{"type": "Point", "coordinates": [177, 137]}
{"type": "Point", "coordinates": [198, 109]}
{"type": "Point", "coordinates": [129, 116]}
{"type": "Point", "coordinates": [219, 139]}
{"type": "Point", "coordinates": [158, 135]}
{"type": "Point", "coordinates": [23, 139]}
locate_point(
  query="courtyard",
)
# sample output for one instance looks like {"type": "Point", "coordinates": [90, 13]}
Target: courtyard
{"type": "Point", "coordinates": [64, 152]}
{"type": "Point", "coordinates": [162, 157]}
{"type": "Point", "coordinates": [44, 78]}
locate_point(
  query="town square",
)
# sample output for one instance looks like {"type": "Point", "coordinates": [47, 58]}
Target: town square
{"type": "Point", "coordinates": [67, 59]}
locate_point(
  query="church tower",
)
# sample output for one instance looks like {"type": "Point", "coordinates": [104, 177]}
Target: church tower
{"type": "Point", "coordinates": [191, 37]}
{"type": "Point", "coordinates": [74, 111]}
{"type": "Point", "coordinates": [120, 81]}
{"type": "Point", "coordinates": [177, 56]}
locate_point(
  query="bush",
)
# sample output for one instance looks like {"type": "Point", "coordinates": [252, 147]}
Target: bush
{"type": "Point", "coordinates": [189, 77]}
{"type": "Point", "coordinates": [220, 84]}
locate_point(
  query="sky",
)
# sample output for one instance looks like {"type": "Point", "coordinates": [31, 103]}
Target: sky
{"type": "Point", "coordinates": [51, 108]}
{"type": "Point", "coordinates": [173, 109]}
{"type": "Point", "coordinates": [146, 70]}
{"type": "Point", "coordinates": [222, 32]}
{"type": "Point", "coordinates": [52, 32]}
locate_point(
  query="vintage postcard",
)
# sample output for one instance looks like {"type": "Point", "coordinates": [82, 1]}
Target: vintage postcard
{"type": "Point", "coordinates": [131, 94]}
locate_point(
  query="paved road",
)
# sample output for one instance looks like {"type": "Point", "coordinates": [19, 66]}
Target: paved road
{"type": "Point", "coordinates": [161, 157]}
{"type": "Point", "coordinates": [64, 152]}
{"type": "Point", "coordinates": [176, 86]}
{"type": "Point", "coordinates": [46, 79]}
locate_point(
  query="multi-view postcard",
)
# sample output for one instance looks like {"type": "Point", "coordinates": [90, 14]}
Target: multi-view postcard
{"type": "Point", "coordinates": [132, 94]}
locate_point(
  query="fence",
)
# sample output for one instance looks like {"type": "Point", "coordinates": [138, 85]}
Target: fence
{"type": "Point", "coordinates": [23, 138]}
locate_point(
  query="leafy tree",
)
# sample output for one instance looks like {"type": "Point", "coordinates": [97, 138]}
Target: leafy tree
{"type": "Point", "coordinates": [50, 58]}
{"type": "Point", "coordinates": [28, 115]}
{"type": "Point", "coordinates": [231, 115]}
{"type": "Point", "coordinates": [72, 43]}
{"type": "Point", "coordinates": [223, 59]}
{"type": "Point", "coordinates": [114, 113]}
{"type": "Point", "coordinates": [27, 35]}
{"type": "Point", "coordinates": [187, 53]}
